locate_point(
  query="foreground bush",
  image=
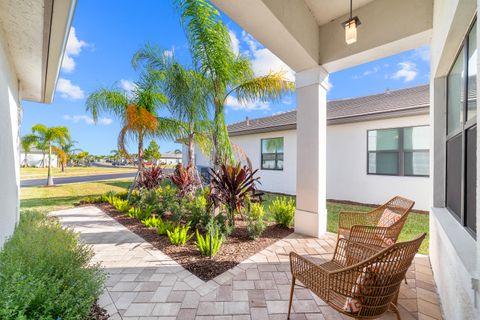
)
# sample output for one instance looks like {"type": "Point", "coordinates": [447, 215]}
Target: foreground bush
{"type": "Point", "coordinates": [283, 211]}
{"type": "Point", "coordinates": [45, 273]}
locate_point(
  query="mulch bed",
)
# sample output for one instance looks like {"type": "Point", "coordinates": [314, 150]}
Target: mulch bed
{"type": "Point", "coordinates": [98, 313]}
{"type": "Point", "coordinates": [235, 248]}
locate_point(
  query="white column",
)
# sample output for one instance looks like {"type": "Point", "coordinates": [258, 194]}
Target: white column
{"type": "Point", "coordinates": [311, 212]}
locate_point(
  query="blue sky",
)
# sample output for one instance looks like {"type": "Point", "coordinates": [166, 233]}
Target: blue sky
{"type": "Point", "coordinates": [107, 33]}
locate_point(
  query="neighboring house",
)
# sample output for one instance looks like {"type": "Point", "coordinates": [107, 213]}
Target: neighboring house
{"type": "Point", "coordinates": [171, 157]}
{"type": "Point", "coordinates": [36, 158]}
{"type": "Point", "coordinates": [377, 147]}
{"type": "Point", "coordinates": [33, 36]}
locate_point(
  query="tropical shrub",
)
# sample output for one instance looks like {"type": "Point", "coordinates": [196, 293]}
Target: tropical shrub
{"type": "Point", "coordinates": [45, 272]}
{"type": "Point", "coordinates": [203, 243]}
{"type": "Point", "coordinates": [144, 213]}
{"type": "Point", "coordinates": [133, 211]}
{"type": "Point", "coordinates": [231, 185]}
{"type": "Point", "coordinates": [177, 210]}
{"type": "Point", "coordinates": [152, 178]}
{"type": "Point", "coordinates": [185, 180]}
{"type": "Point", "coordinates": [256, 225]}
{"type": "Point", "coordinates": [121, 205]}
{"type": "Point", "coordinates": [148, 198]}
{"type": "Point", "coordinates": [179, 235]}
{"type": "Point", "coordinates": [164, 226]}
{"type": "Point", "coordinates": [168, 196]}
{"type": "Point", "coordinates": [283, 211]}
{"type": "Point", "coordinates": [151, 222]}
{"type": "Point", "coordinates": [199, 211]}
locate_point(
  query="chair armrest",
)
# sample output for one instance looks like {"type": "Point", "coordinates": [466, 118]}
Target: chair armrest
{"type": "Point", "coordinates": [349, 252]}
{"type": "Point", "coordinates": [312, 275]}
{"type": "Point", "coordinates": [371, 235]}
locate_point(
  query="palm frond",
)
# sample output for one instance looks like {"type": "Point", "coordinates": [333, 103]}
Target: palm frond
{"type": "Point", "coordinates": [266, 88]}
{"type": "Point", "coordinates": [112, 101]}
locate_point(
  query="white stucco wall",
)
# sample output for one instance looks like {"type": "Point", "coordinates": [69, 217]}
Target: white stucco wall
{"type": "Point", "coordinates": [9, 141]}
{"type": "Point", "coordinates": [36, 159]}
{"type": "Point", "coordinates": [347, 177]}
{"type": "Point", "coordinates": [454, 253]}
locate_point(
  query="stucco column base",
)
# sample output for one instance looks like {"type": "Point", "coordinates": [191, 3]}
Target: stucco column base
{"type": "Point", "coordinates": [311, 223]}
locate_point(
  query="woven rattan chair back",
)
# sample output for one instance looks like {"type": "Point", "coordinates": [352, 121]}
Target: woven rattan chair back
{"type": "Point", "coordinates": [365, 289]}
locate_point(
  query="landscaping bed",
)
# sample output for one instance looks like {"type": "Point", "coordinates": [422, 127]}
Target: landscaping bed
{"type": "Point", "coordinates": [235, 248]}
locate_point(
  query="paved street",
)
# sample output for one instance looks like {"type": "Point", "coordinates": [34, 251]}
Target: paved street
{"type": "Point", "coordinates": [66, 180]}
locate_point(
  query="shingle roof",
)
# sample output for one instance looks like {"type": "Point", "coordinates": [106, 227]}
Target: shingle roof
{"type": "Point", "coordinates": [387, 104]}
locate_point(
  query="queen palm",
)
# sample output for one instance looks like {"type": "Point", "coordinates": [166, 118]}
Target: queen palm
{"type": "Point", "coordinates": [187, 93]}
{"type": "Point", "coordinates": [226, 73]}
{"type": "Point", "coordinates": [138, 111]}
{"type": "Point", "coordinates": [27, 142]}
{"type": "Point", "coordinates": [51, 137]}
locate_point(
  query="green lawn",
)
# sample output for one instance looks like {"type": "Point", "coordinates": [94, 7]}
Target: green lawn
{"type": "Point", "coordinates": [37, 173]}
{"type": "Point", "coordinates": [54, 198]}
{"type": "Point", "coordinates": [64, 196]}
{"type": "Point", "coordinates": [416, 224]}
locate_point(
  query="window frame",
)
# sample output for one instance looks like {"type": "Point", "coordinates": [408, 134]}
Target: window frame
{"type": "Point", "coordinates": [276, 154]}
{"type": "Point", "coordinates": [400, 151]}
{"type": "Point", "coordinates": [466, 125]}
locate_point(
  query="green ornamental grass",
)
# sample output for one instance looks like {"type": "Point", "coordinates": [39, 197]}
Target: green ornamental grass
{"type": "Point", "coordinates": [179, 236]}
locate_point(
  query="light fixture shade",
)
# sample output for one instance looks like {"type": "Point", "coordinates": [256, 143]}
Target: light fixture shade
{"type": "Point", "coordinates": [351, 30]}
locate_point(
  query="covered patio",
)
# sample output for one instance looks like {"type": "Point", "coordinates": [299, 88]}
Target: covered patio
{"type": "Point", "coordinates": [144, 283]}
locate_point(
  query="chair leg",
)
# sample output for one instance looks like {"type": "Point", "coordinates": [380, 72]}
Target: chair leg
{"type": "Point", "coordinates": [395, 309]}
{"type": "Point", "coordinates": [291, 297]}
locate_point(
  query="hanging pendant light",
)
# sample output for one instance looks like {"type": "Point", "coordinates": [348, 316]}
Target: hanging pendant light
{"type": "Point", "coordinates": [351, 27]}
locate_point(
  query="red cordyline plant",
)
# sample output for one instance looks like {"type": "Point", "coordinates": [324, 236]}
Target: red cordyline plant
{"type": "Point", "coordinates": [185, 179]}
{"type": "Point", "coordinates": [152, 177]}
{"type": "Point", "coordinates": [230, 185]}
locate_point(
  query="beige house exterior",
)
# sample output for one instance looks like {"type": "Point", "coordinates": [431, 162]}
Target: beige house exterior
{"type": "Point", "coordinates": [33, 36]}
{"type": "Point", "coordinates": [307, 35]}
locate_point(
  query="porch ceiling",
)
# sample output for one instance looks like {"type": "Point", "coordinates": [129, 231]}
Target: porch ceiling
{"type": "Point", "coordinates": [36, 34]}
{"type": "Point", "coordinates": [308, 33]}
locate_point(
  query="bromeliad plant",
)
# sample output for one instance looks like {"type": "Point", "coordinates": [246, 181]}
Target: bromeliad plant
{"type": "Point", "coordinates": [210, 244]}
{"type": "Point", "coordinates": [179, 236]}
{"type": "Point", "coordinates": [231, 185]}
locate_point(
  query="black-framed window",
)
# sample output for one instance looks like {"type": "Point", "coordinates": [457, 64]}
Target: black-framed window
{"type": "Point", "coordinates": [399, 151]}
{"type": "Point", "coordinates": [461, 140]}
{"type": "Point", "coordinates": [272, 153]}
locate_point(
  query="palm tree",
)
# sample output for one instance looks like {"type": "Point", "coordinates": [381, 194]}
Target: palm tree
{"type": "Point", "coordinates": [187, 93]}
{"type": "Point", "coordinates": [27, 141]}
{"type": "Point", "coordinates": [51, 136]}
{"type": "Point", "coordinates": [139, 112]}
{"type": "Point", "coordinates": [227, 74]}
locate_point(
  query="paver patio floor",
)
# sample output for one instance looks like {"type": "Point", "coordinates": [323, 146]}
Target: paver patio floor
{"type": "Point", "coordinates": [144, 283]}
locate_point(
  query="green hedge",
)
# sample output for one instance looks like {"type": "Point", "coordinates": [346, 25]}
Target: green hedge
{"type": "Point", "coordinates": [45, 272]}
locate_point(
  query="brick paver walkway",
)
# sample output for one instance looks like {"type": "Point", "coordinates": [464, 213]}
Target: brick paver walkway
{"type": "Point", "coordinates": [146, 284]}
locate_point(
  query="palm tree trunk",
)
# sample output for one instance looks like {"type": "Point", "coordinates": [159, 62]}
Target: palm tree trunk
{"type": "Point", "coordinates": [49, 178]}
{"type": "Point", "coordinates": [191, 151]}
{"type": "Point", "coordinates": [140, 156]}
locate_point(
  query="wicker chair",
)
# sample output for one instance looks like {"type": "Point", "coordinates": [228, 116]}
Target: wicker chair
{"type": "Point", "coordinates": [364, 227]}
{"type": "Point", "coordinates": [357, 276]}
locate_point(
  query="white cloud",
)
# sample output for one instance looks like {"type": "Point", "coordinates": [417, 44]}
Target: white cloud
{"type": "Point", "coordinates": [407, 72]}
{"type": "Point", "coordinates": [250, 41]}
{"type": "Point", "coordinates": [367, 72]}
{"type": "Point", "coordinates": [88, 120]}
{"type": "Point", "coordinates": [287, 100]}
{"type": "Point", "coordinates": [235, 42]}
{"type": "Point", "coordinates": [68, 90]}
{"type": "Point", "coordinates": [128, 86]}
{"type": "Point", "coordinates": [169, 53]}
{"type": "Point", "coordinates": [422, 53]}
{"type": "Point", "coordinates": [74, 47]}
{"type": "Point", "coordinates": [233, 103]}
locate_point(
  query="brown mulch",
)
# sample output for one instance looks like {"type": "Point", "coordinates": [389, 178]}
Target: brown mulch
{"type": "Point", "coordinates": [235, 248]}
{"type": "Point", "coordinates": [98, 313]}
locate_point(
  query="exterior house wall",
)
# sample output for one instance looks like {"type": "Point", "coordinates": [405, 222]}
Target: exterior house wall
{"type": "Point", "coordinates": [454, 254]}
{"type": "Point", "coordinates": [347, 177]}
{"type": "Point", "coordinates": [9, 141]}
{"type": "Point", "coordinates": [36, 159]}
